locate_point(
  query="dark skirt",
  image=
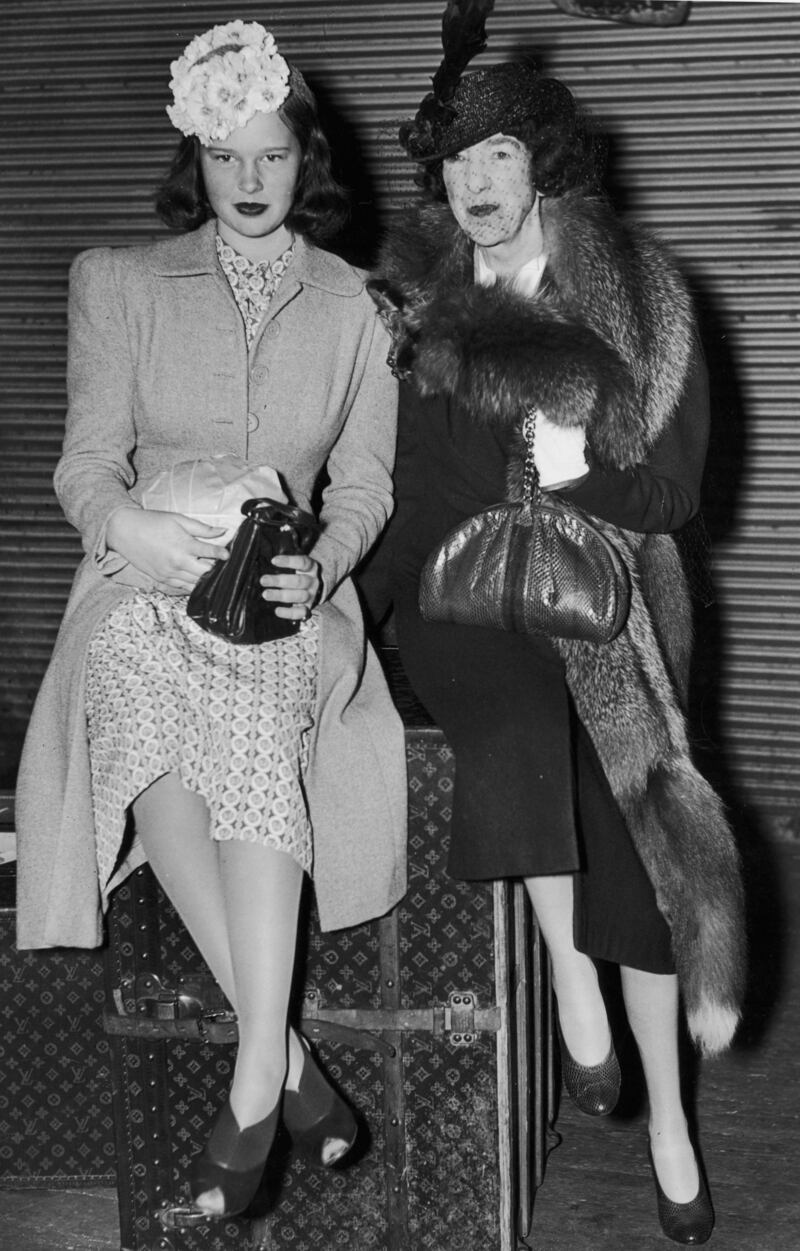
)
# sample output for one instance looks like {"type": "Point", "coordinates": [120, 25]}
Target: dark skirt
{"type": "Point", "coordinates": [530, 795]}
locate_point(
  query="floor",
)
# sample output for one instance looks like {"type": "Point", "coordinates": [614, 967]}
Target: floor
{"type": "Point", "coordinates": [597, 1194]}
{"type": "Point", "coordinates": [52, 1220]}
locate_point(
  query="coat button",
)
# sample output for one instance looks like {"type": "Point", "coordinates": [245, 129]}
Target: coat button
{"type": "Point", "coordinates": [260, 374]}
{"type": "Point", "coordinates": [252, 423]}
{"type": "Point", "coordinates": [273, 330]}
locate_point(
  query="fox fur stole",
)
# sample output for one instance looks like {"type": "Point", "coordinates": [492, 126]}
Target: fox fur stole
{"type": "Point", "coordinates": [605, 344]}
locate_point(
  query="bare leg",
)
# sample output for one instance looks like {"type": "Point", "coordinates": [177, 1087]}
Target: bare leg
{"type": "Point", "coordinates": [172, 823]}
{"type": "Point", "coordinates": [261, 889]}
{"type": "Point", "coordinates": [239, 902]}
{"type": "Point", "coordinates": [581, 1010]}
{"type": "Point", "coordinates": [651, 1002]}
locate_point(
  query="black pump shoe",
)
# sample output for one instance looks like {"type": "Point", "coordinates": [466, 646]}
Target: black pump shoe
{"type": "Point", "coordinates": [689, 1223]}
{"type": "Point", "coordinates": [320, 1123]}
{"type": "Point", "coordinates": [233, 1161]}
{"type": "Point", "coordinates": [594, 1088]}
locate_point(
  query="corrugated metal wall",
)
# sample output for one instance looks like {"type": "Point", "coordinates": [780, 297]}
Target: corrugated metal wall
{"type": "Point", "coordinates": [703, 120]}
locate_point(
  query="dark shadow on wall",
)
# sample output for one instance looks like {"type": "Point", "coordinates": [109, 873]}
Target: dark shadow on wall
{"type": "Point", "coordinates": [725, 466]}
{"type": "Point", "coordinates": [765, 903]}
{"type": "Point", "coordinates": [359, 239]}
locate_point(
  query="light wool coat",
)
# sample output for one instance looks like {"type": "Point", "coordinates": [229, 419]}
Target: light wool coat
{"type": "Point", "coordinates": [160, 372]}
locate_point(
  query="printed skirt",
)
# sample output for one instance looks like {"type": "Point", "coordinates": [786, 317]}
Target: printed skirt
{"type": "Point", "coordinates": [231, 721]}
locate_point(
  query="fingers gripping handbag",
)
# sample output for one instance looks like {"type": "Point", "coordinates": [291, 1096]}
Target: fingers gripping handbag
{"type": "Point", "coordinates": [534, 567]}
{"type": "Point", "coordinates": [228, 599]}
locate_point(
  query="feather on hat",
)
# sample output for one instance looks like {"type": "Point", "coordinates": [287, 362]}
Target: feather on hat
{"type": "Point", "coordinates": [462, 110]}
{"type": "Point", "coordinates": [463, 37]}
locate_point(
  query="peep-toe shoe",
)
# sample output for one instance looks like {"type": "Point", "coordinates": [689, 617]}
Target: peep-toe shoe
{"type": "Point", "coordinates": [233, 1161]}
{"type": "Point", "coordinates": [321, 1125]}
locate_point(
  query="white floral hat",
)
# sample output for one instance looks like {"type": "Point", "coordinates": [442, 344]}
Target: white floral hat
{"type": "Point", "coordinates": [224, 78]}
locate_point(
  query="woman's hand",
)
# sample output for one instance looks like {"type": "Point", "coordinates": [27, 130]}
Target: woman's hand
{"type": "Point", "coordinates": [559, 452]}
{"type": "Point", "coordinates": [172, 549]}
{"type": "Point", "coordinates": [298, 590]}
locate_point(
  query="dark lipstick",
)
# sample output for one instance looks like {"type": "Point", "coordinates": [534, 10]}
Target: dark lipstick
{"type": "Point", "coordinates": [249, 208]}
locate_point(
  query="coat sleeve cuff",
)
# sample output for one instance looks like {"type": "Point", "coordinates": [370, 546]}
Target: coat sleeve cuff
{"type": "Point", "coordinates": [104, 558]}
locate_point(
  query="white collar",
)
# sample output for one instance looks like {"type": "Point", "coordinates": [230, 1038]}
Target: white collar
{"type": "Point", "coordinates": [526, 281]}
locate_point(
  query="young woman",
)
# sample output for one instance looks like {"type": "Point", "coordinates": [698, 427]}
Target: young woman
{"type": "Point", "coordinates": [243, 346]}
{"type": "Point", "coordinates": [515, 287]}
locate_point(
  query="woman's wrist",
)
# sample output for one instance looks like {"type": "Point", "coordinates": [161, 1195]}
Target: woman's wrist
{"type": "Point", "coordinates": [117, 527]}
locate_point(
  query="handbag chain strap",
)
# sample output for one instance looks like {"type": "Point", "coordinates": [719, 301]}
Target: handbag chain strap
{"type": "Point", "coordinates": [530, 477]}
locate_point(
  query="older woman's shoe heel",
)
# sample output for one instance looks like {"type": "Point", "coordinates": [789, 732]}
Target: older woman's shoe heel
{"type": "Point", "coordinates": [321, 1125]}
{"type": "Point", "coordinates": [232, 1162]}
{"type": "Point", "coordinates": [688, 1223]}
{"type": "Point", "coordinates": [594, 1088]}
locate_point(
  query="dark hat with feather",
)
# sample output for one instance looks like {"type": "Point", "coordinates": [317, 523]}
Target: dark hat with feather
{"type": "Point", "coordinates": [458, 111]}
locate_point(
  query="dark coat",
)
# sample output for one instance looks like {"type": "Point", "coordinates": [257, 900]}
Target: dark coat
{"type": "Point", "coordinates": [606, 344]}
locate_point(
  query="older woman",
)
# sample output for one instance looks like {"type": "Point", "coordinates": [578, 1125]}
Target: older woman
{"type": "Point", "coordinates": [244, 347]}
{"type": "Point", "coordinates": [514, 287]}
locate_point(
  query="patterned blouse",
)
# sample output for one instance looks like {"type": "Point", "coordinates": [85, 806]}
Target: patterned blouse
{"type": "Point", "coordinates": [253, 283]}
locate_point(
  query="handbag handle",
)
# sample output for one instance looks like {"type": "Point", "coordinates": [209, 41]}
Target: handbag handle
{"type": "Point", "coordinates": [286, 518]}
{"type": "Point", "coordinates": [530, 476]}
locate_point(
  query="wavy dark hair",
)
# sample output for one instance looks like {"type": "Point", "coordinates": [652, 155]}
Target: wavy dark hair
{"type": "Point", "coordinates": [565, 153]}
{"type": "Point", "coordinates": [321, 205]}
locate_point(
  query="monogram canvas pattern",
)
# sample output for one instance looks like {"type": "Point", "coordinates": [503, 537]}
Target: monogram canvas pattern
{"type": "Point", "coordinates": [56, 1125]}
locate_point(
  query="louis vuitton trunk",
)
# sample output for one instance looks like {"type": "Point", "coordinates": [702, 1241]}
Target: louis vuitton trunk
{"type": "Point", "coordinates": [56, 1125]}
{"type": "Point", "coordinates": [433, 1021]}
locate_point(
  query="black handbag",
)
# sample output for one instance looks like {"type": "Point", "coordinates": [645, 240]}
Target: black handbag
{"type": "Point", "coordinates": [535, 567]}
{"type": "Point", "coordinates": [228, 600]}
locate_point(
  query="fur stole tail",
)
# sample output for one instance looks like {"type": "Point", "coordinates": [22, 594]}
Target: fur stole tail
{"type": "Point", "coordinates": [681, 820]}
{"type": "Point", "coordinates": [626, 694]}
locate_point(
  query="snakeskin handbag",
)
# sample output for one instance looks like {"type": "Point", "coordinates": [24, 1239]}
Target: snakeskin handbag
{"type": "Point", "coordinates": [228, 600]}
{"type": "Point", "coordinates": [534, 567]}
